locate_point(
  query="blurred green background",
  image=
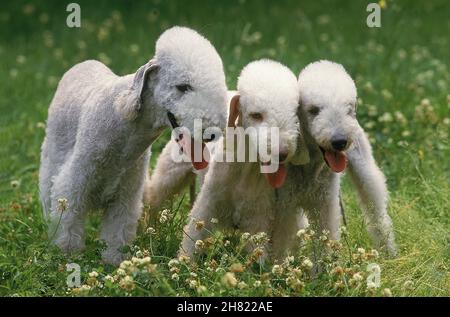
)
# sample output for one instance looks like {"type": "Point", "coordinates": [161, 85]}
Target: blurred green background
{"type": "Point", "coordinates": [401, 71]}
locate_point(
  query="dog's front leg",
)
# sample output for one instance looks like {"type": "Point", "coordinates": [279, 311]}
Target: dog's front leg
{"type": "Point", "coordinates": [371, 186]}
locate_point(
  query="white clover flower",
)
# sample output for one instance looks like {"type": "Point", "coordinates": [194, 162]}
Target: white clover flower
{"type": "Point", "coordinates": [371, 286]}
{"type": "Point", "coordinates": [109, 278]}
{"type": "Point", "coordinates": [121, 272]}
{"type": "Point", "coordinates": [192, 274]}
{"type": "Point", "coordinates": [214, 220]}
{"type": "Point", "coordinates": [361, 251]}
{"type": "Point", "coordinates": [277, 269]}
{"type": "Point", "coordinates": [184, 259]}
{"type": "Point", "coordinates": [193, 283]}
{"type": "Point", "coordinates": [173, 262]}
{"type": "Point", "coordinates": [127, 283]}
{"type": "Point", "coordinates": [201, 289]}
{"type": "Point", "coordinates": [146, 260]}
{"type": "Point", "coordinates": [357, 277]}
{"type": "Point", "coordinates": [15, 183]}
{"type": "Point", "coordinates": [242, 285]}
{"type": "Point", "coordinates": [301, 233]}
{"type": "Point", "coordinates": [199, 225]}
{"type": "Point", "coordinates": [227, 243]}
{"type": "Point", "coordinates": [229, 280]}
{"type": "Point", "coordinates": [245, 236]}
{"type": "Point", "coordinates": [408, 285]}
{"type": "Point", "coordinates": [307, 263]}
{"type": "Point", "coordinates": [387, 292]}
{"type": "Point", "coordinates": [199, 244]}
{"type": "Point", "coordinates": [162, 219]}
{"type": "Point", "coordinates": [62, 204]}
{"type": "Point", "coordinates": [175, 277]}
{"type": "Point", "coordinates": [93, 274]}
{"type": "Point", "coordinates": [150, 230]}
{"type": "Point", "coordinates": [257, 284]}
{"type": "Point", "coordinates": [386, 117]}
{"type": "Point", "coordinates": [125, 264]}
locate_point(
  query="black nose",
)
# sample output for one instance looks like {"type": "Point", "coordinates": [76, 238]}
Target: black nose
{"type": "Point", "coordinates": [339, 144]}
{"type": "Point", "coordinates": [282, 157]}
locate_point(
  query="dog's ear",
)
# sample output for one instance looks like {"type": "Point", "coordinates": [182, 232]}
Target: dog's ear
{"type": "Point", "coordinates": [301, 156]}
{"type": "Point", "coordinates": [134, 100]}
{"type": "Point", "coordinates": [234, 111]}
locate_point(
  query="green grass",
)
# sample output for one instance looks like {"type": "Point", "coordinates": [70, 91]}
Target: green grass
{"type": "Point", "coordinates": [396, 67]}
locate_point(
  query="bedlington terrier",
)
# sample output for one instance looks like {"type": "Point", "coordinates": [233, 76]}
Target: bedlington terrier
{"type": "Point", "coordinates": [333, 136]}
{"type": "Point", "coordinates": [100, 126]}
{"type": "Point", "coordinates": [238, 194]}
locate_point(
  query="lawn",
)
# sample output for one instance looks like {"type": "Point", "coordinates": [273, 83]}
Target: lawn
{"type": "Point", "coordinates": [402, 74]}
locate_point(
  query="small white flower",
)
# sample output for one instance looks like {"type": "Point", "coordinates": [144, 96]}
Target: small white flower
{"type": "Point", "coordinates": [387, 292]}
{"type": "Point", "coordinates": [214, 220]}
{"type": "Point", "coordinates": [173, 262]}
{"type": "Point", "coordinates": [357, 277]}
{"type": "Point", "coordinates": [277, 269]}
{"type": "Point", "coordinates": [175, 277]}
{"type": "Point", "coordinates": [245, 236]}
{"type": "Point", "coordinates": [109, 278]}
{"type": "Point", "coordinates": [307, 263]}
{"type": "Point", "coordinates": [199, 244]}
{"type": "Point", "coordinates": [150, 230]}
{"type": "Point", "coordinates": [93, 274]}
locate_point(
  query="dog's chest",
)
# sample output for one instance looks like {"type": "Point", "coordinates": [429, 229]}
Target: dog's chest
{"type": "Point", "coordinates": [253, 204]}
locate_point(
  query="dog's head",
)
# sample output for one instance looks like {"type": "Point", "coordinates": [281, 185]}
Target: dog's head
{"type": "Point", "coordinates": [184, 84]}
{"type": "Point", "coordinates": [328, 104]}
{"type": "Point", "coordinates": [267, 97]}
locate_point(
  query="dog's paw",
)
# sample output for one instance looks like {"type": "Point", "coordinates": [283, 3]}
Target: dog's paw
{"type": "Point", "coordinates": [113, 256]}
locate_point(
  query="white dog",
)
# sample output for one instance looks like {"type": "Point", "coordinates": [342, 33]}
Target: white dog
{"type": "Point", "coordinates": [100, 126]}
{"type": "Point", "coordinates": [237, 193]}
{"type": "Point", "coordinates": [333, 136]}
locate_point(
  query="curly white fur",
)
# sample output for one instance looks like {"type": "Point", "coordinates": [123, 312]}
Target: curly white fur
{"type": "Point", "coordinates": [100, 126]}
{"type": "Point", "coordinates": [238, 194]}
{"type": "Point", "coordinates": [327, 86]}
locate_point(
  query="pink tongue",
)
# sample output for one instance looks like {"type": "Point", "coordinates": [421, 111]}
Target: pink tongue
{"type": "Point", "coordinates": [198, 165]}
{"type": "Point", "coordinates": [276, 180]}
{"type": "Point", "coordinates": [336, 160]}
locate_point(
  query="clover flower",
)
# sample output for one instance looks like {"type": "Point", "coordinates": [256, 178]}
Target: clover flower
{"type": "Point", "coordinates": [62, 204]}
{"type": "Point", "coordinates": [229, 280]}
{"type": "Point", "coordinates": [387, 292]}
{"type": "Point", "coordinates": [307, 264]}
{"type": "Point", "coordinates": [277, 269]}
{"type": "Point", "coordinates": [199, 225]}
{"type": "Point", "coordinates": [199, 244]}
{"type": "Point", "coordinates": [214, 220]}
{"type": "Point", "coordinates": [127, 283]}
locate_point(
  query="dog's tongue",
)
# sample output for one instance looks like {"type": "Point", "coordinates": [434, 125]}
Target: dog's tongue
{"type": "Point", "coordinates": [276, 179]}
{"type": "Point", "coordinates": [197, 164]}
{"type": "Point", "coordinates": [336, 160]}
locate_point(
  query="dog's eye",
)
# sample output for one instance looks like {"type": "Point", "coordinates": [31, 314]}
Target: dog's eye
{"type": "Point", "coordinates": [257, 116]}
{"type": "Point", "coordinates": [184, 88]}
{"type": "Point", "coordinates": [314, 111]}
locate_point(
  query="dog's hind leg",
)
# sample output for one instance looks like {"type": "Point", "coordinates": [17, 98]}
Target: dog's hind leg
{"type": "Point", "coordinates": [168, 178]}
{"type": "Point", "coordinates": [122, 214]}
{"type": "Point", "coordinates": [69, 206]}
{"type": "Point", "coordinates": [371, 185]}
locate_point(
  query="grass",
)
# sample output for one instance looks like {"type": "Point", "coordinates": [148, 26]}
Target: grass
{"type": "Point", "coordinates": [402, 75]}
